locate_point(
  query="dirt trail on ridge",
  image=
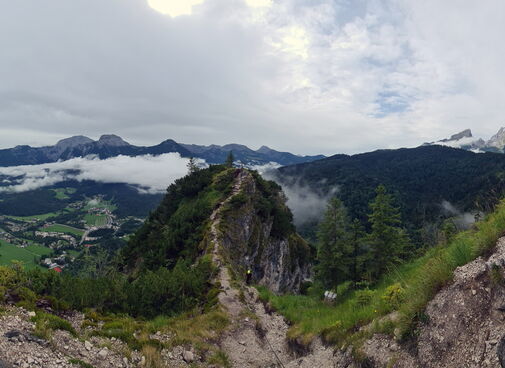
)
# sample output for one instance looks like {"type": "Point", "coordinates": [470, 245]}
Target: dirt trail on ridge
{"type": "Point", "coordinates": [256, 338]}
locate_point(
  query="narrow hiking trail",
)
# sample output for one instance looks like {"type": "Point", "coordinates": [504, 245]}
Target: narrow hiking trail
{"type": "Point", "coordinates": [256, 338]}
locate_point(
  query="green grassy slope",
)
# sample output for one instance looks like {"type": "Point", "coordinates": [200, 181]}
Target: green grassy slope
{"type": "Point", "coordinates": [406, 289]}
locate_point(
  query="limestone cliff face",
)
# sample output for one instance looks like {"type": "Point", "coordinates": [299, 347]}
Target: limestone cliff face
{"type": "Point", "coordinates": [256, 233]}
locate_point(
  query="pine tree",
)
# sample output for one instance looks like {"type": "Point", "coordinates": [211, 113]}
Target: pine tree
{"type": "Point", "coordinates": [356, 235]}
{"type": "Point", "coordinates": [387, 239]}
{"type": "Point", "coordinates": [229, 160]}
{"type": "Point", "coordinates": [334, 252]}
{"type": "Point", "coordinates": [447, 231]}
{"type": "Point", "coordinates": [192, 166]}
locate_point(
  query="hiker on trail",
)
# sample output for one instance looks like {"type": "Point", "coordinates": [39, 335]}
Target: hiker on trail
{"type": "Point", "coordinates": [248, 276]}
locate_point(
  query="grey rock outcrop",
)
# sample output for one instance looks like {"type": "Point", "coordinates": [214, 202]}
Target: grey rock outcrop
{"type": "Point", "coordinates": [464, 319]}
{"type": "Point", "coordinates": [281, 263]}
{"type": "Point", "coordinates": [465, 323]}
{"type": "Point", "coordinates": [497, 140]}
{"type": "Point", "coordinates": [467, 133]}
{"type": "Point", "coordinates": [464, 140]}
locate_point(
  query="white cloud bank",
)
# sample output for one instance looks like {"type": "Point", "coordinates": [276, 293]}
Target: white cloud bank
{"type": "Point", "coordinates": [151, 174]}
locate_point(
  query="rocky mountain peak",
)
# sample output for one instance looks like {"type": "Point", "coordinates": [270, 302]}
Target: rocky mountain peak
{"type": "Point", "coordinates": [112, 141]}
{"type": "Point", "coordinates": [463, 140]}
{"type": "Point", "coordinates": [236, 147]}
{"type": "Point", "coordinates": [78, 140]}
{"type": "Point", "coordinates": [498, 140]}
{"type": "Point", "coordinates": [467, 133]}
{"type": "Point", "coordinates": [265, 150]}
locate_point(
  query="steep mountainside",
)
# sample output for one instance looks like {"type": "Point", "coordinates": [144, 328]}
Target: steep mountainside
{"type": "Point", "coordinates": [256, 233]}
{"type": "Point", "coordinates": [497, 140]}
{"type": "Point", "coordinates": [462, 326]}
{"type": "Point", "coordinates": [422, 180]}
{"type": "Point", "coordinates": [255, 230]}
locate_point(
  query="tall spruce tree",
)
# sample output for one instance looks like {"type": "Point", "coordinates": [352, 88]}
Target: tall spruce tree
{"type": "Point", "coordinates": [192, 165]}
{"type": "Point", "coordinates": [356, 237]}
{"type": "Point", "coordinates": [334, 251]}
{"type": "Point", "coordinates": [387, 238]}
{"type": "Point", "coordinates": [229, 159]}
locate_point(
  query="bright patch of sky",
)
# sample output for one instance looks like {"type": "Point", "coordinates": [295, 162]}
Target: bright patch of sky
{"type": "Point", "coordinates": [174, 8]}
{"type": "Point", "coordinates": [259, 3]}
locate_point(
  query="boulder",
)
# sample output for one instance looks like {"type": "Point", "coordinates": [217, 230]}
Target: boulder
{"type": "Point", "coordinates": [188, 356]}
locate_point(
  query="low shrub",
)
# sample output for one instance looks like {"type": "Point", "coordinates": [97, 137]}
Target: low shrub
{"type": "Point", "coordinates": [45, 323]}
{"type": "Point", "coordinates": [8, 277]}
{"type": "Point", "coordinates": [343, 289]}
{"type": "Point", "coordinates": [220, 359]}
{"type": "Point", "coordinates": [394, 295]}
{"type": "Point", "coordinates": [238, 200]}
{"type": "Point", "coordinates": [3, 293]}
{"type": "Point", "coordinates": [27, 298]}
{"type": "Point", "coordinates": [496, 275]}
{"type": "Point", "coordinates": [363, 298]}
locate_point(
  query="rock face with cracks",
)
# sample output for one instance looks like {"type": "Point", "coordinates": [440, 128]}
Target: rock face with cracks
{"type": "Point", "coordinates": [248, 240]}
{"type": "Point", "coordinates": [464, 323]}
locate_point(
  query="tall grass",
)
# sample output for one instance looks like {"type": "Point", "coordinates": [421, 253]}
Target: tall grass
{"type": "Point", "coordinates": [438, 271]}
{"type": "Point", "coordinates": [420, 278]}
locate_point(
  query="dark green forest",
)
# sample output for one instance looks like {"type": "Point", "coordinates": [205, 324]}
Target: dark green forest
{"type": "Point", "coordinates": [348, 255]}
{"type": "Point", "coordinates": [419, 179]}
{"type": "Point", "coordinates": [128, 200]}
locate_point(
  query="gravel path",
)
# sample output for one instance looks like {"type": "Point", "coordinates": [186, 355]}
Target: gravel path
{"type": "Point", "coordinates": [257, 338]}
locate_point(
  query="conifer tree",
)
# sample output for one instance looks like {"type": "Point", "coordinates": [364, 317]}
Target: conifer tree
{"type": "Point", "coordinates": [229, 160]}
{"type": "Point", "coordinates": [192, 166]}
{"type": "Point", "coordinates": [334, 252]}
{"type": "Point", "coordinates": [387, 239]}
{"type": "Point", "coordinates": [447, 231]}
{"type": "Point", "coordinates": [356, 235]}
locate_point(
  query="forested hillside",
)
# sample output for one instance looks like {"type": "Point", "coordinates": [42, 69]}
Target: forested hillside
{"type": "Point", "coordinates": [420, 179]}
{"type": "Point", "coordinates": [176, 228]}
{"type": "Point", "coordinates": [165, 267]}
{"type": "Point", "coordinates": [128, 200]}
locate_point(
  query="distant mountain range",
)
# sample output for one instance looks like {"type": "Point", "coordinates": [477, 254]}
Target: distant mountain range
{"type": "Point", "coordinates": [111, 145]}
{"type": "Point", "coordinates": [465, 140]}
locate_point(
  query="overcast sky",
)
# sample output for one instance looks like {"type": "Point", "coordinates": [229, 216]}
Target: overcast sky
{"type": "Point", "coordinates": [308, 76]}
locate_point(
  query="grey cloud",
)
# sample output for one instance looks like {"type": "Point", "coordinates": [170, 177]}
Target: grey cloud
{"type": "Point", "coordinates": [306, 203]}
{"type": "Point", "coordinates": [462, 220]}
{"type": "Point", "coordinates": [226, 74]}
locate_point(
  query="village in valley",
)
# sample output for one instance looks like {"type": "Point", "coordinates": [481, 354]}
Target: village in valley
{"type": "Point", "coordinates": [54, 240]}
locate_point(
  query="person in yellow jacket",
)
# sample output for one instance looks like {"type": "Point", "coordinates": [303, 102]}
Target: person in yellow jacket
{"type": "Point", "coordinates": [248, 276]}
